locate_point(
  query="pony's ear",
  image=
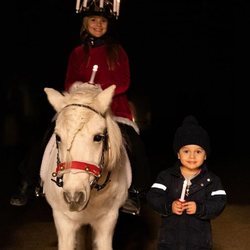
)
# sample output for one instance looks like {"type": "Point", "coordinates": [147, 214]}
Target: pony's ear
{"type": "Point", "coordinates": [56, 99]}
{"type": "Point", "coordinates": [104, 99]}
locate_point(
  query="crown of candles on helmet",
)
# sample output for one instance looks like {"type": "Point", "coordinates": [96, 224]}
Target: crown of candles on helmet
{"type": "Point", "coordinates": [107, 8]}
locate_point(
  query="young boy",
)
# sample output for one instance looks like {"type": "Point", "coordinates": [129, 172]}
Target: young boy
{"type": "Point", "coordinates": [188, 195]}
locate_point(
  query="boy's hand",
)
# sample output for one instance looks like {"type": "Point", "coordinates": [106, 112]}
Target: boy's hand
{"type": "Point", "coordinates": [189, 206]}
{"type": "Point", "coordinates": [177, 207]}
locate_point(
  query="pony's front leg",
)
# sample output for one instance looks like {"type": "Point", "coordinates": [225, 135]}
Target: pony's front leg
{"type": "Point", "coordinates": [104, 230]}
{"type": "Point", "coordinates": [66, 231]}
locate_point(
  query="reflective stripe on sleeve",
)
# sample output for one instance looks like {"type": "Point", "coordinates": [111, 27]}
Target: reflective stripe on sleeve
{"type": "Point", "coordinates": [218, 192]}
{"type": "Point", "coordinates": [160, 186]}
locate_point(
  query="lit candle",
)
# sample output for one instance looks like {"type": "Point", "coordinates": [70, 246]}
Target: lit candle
{"type": "Point", "coordinates": [101, 4]}
{"type": "Point", "coordinates": [118, 7]}
{"type": "Point", "coordinates": [95, 67]}
{"type": "Point", "coordinates": [84, 3]}
{"type": "Point", "coordinates": [114, 6]}
{"type": "Point", "coordinates": [183, 190]}
{"type": "Point", "coordinates": [77, 5]}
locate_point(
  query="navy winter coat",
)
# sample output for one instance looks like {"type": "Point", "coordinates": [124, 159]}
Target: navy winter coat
{"type": "Point", "coordinates": [186, 232]}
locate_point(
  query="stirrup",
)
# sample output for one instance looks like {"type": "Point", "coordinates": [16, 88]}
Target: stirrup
{"type": "Point", "coordinates": [39, 192]}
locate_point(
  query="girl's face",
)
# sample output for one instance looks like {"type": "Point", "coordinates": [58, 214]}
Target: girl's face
{"type": "Point", "coordinates": [191, 157]}
{"type": "Point", "coordinates": [96, 25]}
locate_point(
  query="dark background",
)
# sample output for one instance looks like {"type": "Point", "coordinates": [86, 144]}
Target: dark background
{"type": "Point", "coordinates": [187, 57]}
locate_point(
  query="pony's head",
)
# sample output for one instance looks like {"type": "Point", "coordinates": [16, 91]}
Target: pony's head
{"type": "Point", "coordinates": [89, 141]}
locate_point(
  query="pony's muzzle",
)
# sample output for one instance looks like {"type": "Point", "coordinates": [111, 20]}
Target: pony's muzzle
{"type": "Point", "coordinates": [75, 201]}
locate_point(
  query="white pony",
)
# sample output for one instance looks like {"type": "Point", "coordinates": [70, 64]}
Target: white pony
{"type": "Point", "coordinates": [84, 170]}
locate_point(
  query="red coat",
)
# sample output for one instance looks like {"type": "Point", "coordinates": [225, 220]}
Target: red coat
{"type": "Point", "coordinates": [78, 70]}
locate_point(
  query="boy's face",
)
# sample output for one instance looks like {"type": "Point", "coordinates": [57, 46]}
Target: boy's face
{"type": "Point", "coordinates": [191, 156]}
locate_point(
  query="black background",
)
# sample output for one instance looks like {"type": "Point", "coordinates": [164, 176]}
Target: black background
{"type": "Point", "coordinates": [187, 57]}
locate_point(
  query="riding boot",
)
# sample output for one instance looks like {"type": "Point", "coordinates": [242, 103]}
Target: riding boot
{"type": "Point", "coordinates": [133, 204]}
{"type": "Point", "coordinates": [29, 169]}
{"type": "Point", "coordinates": [23, 193]}
{"type": "Point", "coordinates": [140, 170]}
{"type": "Point", "coordinates": [29, 177]}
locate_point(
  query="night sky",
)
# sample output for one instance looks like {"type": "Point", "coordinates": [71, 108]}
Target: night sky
{"type": "Point", "coordinates": [185, 57]}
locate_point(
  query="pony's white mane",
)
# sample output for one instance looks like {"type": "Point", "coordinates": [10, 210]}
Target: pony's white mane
{"type": "Point", "coordinates": [90, 91]}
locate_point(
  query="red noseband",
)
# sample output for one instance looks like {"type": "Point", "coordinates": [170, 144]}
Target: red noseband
{"type": "Point", "coordinates": [90, 168]}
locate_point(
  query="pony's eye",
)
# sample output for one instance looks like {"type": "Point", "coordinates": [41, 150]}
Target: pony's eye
{"type": "Point", "coordinates": [58, 138]}
{"type": "Point", "coordinates": [99, 137]}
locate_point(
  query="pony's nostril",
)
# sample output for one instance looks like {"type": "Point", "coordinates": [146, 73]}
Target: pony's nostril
{"type": "Point", "coordinates": [67, 197]}
{"type": "Point", "coordinates": [79, 197]}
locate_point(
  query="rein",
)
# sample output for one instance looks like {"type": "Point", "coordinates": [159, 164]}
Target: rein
{"type": "Point", "coordinates": [93, 169]}
{"type": "Point", "coordinates": [86, 106]}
